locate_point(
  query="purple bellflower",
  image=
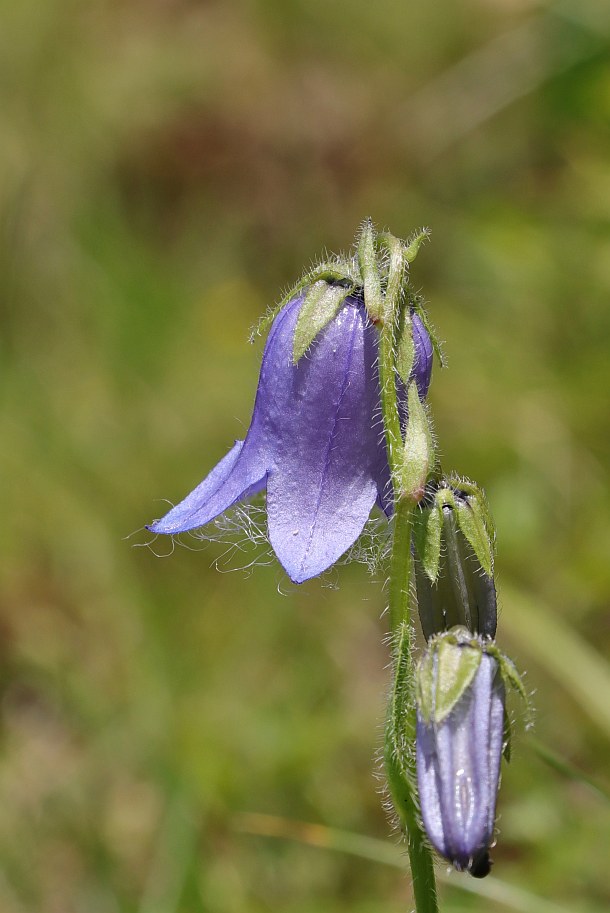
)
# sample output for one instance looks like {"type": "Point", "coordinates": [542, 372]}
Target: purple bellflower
{"type": "Point", "coordinates": [459, 749]}
{"type": "Point", "coordinates": [315, 442]}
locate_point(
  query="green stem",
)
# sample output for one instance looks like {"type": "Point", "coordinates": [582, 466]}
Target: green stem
{"type": "Point", "coordinates": [387, 358]}
{"type": "Point", "coordinates": [420, 857]}
{"type": "Point", "coordinates": [399, 753]}
{"type": "Point", "coordinates": [400, 568]}
{"type": "Point", "coordinates": [389, 401]}
{"type": "Point", "coordinates": [401, 723]}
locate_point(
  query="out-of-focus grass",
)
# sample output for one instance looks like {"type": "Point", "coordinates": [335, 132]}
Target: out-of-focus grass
{"type": "Point", "coordinates": [166, 168]}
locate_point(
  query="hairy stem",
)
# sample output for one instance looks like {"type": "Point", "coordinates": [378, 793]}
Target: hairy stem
{"type": "Point", "coordinates": [399, 751]}
{"type": "Point", "coordinates": [389, 399]}
{"type": "Point", "coordinates": [400, 570]}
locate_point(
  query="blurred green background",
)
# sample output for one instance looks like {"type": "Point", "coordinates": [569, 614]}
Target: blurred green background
{"type": "Point", "coordinates": [166, 168]}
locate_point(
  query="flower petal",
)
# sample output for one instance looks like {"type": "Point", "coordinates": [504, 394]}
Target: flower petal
{"type": "Point", "coordinates": [423, 355]}
{"type": "Point", "coordinates": [243, 470]}
{"type": "Point", "coordinates": [458, 766]}
{"type": "Point", "coordinates": [226, 483]}
{"type": "Point", "coordinates": [322, 487]}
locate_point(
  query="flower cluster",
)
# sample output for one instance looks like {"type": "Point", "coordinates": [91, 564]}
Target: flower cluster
{"type": "Point", "coordinates": [340, 426]}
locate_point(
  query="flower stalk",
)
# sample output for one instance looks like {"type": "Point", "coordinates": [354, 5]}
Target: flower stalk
{"type": "Point", "coordinates": [401, 723]}
{"type": "Point", "coordinates": [399, 756]}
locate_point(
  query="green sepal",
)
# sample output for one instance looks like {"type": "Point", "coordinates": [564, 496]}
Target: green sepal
{"type": "Point", "coordinates": [511, 677]}
{"type": "Point", "coordinates": [456, 668]}
{"type": "Point", "coordinates": [445, 497]}
{"type": "Point", "coordinates": [396, 272]}
{"type": "Point", "coordinates": [321, 305]}
{"type": "Point", "coordinates": [337, 270]}
{"type": "Point", "coordinates": [446, 671]}
{"type": "Point", "coordinates": [405, 347]}
{"type": "Point", "coordinates": [417, 458]}
{"type": "Point", "coordinates": [427, 527]}
{"type": "Point", "coordinates": [476, 498]}
{"type": "Point", "coordinates": [371, 279]}
{"type": "Point", "coordinates": [414, 243]}
{"type": "Point", "coordinates": [473, 527]}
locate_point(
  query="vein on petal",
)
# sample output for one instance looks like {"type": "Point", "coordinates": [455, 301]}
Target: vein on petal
{"type": "Point", "coordinates": [329, 446]}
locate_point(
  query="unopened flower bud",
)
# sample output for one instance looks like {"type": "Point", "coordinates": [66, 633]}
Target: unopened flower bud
{"type": "Point", "coordinates": [460, 732]}
{"type": "Point", "coordinates": [454, 562]}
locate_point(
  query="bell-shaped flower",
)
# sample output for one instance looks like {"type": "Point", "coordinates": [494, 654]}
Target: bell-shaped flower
{"type": "Point", "coordinates": [315, 442]}
{"type": "Point", "coordinates": [459, 743]}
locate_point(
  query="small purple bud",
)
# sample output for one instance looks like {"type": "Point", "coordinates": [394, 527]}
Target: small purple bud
{"type": "Point", "coordinates": [459, 752]}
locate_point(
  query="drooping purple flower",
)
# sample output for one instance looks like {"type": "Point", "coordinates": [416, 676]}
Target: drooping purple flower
{"type": "Point", "coordinates": [315, 441]}
{"type": "Point", "coordinates": [458, 764]}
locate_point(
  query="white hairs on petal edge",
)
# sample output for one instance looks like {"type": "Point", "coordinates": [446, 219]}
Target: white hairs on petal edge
{"type": "Point", "coordinates": [242, 531]}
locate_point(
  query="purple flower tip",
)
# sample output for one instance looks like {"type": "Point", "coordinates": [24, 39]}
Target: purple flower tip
{"type": "Point", "coordinates": [423, 355]}
{"type": "Point", "coordinates": [315, 442]}
{"type": "Point", "coordinates": [458, 769]}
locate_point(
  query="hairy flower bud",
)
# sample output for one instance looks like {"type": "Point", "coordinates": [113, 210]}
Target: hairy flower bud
{"type": "Point", "coordinates": [454, 562]}
{"type": "Point", "coordinates": [460, 732]}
